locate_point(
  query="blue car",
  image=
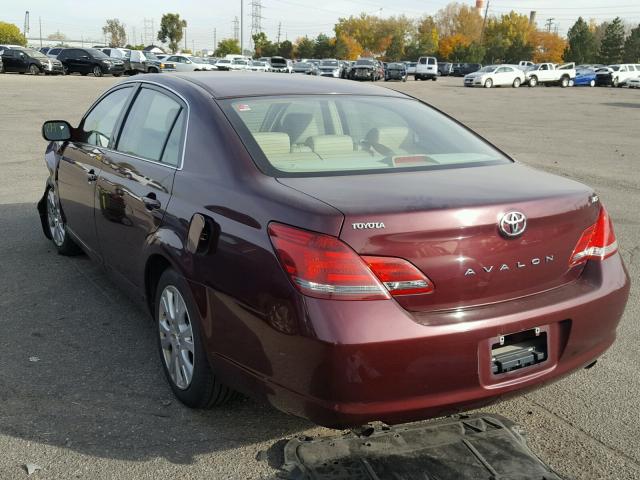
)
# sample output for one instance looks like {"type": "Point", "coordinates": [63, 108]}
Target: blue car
{"type": "Point", "coordinates": [585, 78]}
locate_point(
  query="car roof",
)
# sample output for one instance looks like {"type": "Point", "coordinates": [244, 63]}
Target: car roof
{"type": "Point", "coordinates": [241, 84]}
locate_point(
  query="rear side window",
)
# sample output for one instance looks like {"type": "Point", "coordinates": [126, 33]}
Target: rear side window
{"type": "Point", "coordinates": [148, 126]}
{"type": "Point", "coordinates": [432, 61]}
{"type": "Point", "coordinates": [334, 134]}
{"type": "Point", "coordinates": [98, 125]}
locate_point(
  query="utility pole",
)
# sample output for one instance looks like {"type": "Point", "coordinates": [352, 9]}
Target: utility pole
{"type": "Point", "coordinates": [256, 17]}
{"type": "Point", "coordinates": [279, 31]}
{"type": "Point", "coordinates": [40, 23]}
{"type": "Point", "coordinates": [241, 27]}
{"type": "Point", "coordinates": [26, 24]}
{"type": "Point", "coordinates": [549, 23]}
{"type": "Point", "coordinates": [236, 29]}
{"type": "Point", "coordinates": [215, 41]}
{"type": "Point", "coordinates": [185, 38]}
{"type": "Point", "coordinates": [484, 21]}
{"type": "Point", "coordinates": [148, 31]}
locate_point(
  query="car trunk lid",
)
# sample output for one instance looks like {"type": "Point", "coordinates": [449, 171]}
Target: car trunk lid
{"type": "Point", "coordinates": [446, 222]}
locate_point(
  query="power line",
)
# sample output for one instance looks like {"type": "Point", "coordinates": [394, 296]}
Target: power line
{"type": "Point", "coordinates": [236, 29]}
{"type": "Point", "coordinates": [549, 23]}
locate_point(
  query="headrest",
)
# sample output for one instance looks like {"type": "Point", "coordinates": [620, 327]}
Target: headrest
{"type": "Point", "coordinates": [273, 143]}
{"type": "Point", "coordinates": [330, 144]}
{"type": "Point", "coordinates": [388, 136]}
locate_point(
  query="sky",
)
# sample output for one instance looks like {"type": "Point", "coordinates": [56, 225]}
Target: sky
{"type": "Point", "coordinates": [294, 18]}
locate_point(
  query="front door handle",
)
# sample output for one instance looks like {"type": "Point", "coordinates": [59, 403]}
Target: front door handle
{"type": "Point", "coordinates": [91, 176]}
{"type": "Point", "coordinates": [151, 202]}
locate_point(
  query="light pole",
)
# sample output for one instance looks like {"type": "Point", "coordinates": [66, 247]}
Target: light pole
{"type": "Point", "coordinates": [241, 27]}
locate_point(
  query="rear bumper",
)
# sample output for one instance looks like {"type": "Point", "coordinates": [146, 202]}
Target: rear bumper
{"type": "Point", "coordinates": [376, 361]}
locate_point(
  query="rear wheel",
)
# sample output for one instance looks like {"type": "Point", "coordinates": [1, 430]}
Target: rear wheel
{"type": "Point", "coordinates": [516, 82]}
{"type": "Point", "coordinates": [488, 83]}
{"type": "Point", "coordinates": [616, 82]}
{"type": "Point", "coordinates": [58, 227]}
{"type": "Point", "coordinates": [564, 82]}
{"type": "Point", "coordinates": [97, 71]}
{"type": "Point", "coordinates": [592, 83]}
{"type": "Point", "coordinates": [181, 346]}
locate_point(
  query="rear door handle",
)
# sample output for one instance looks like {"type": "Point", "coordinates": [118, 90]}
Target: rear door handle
{"type": "Point", "coordinates": [151, 202]}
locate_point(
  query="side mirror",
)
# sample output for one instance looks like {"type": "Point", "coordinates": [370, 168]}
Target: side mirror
{"type": "Point", "coordinates": [189, 61]}
{"type": "Point", "coordinates": [56, 131]}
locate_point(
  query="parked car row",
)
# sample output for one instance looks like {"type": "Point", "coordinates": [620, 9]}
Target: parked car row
{"type": "Point", "coordinates": [566, 75]}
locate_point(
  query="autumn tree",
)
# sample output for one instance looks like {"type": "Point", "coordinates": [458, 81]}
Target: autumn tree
{"type": "Point", "coordinates": [549, 47]}
{"type": "Point", "coordinates": [172, 30]}
{"type": "Point", "coordinates": [503, 33]}
{"type": "Point", "coordinates": [457, 18]}
{"type": "Point", "coordinates": [612, 45]}
{"type": "Point", "coordinates": [582, 46]}
{"type": "Point", "coordinates": [348, 47]}
{"type": "Point", "coordinates": [227, 46]}
{"type": "Point", "coordinates": [305, 47]}
{"type": "Point", "coordinates": [116, 32]}
{"type": "Point", "coordinates": [10, 33]}
{"type": "Point", "coordinates": [632, 46]}
{"type": "Point", "coordinates": [452, 43]}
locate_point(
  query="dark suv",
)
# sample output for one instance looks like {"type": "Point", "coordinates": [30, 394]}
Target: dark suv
{"type": "Point", "coordinates": [26, 60]}
{"type": "Point", "coordinates": [90, 60]}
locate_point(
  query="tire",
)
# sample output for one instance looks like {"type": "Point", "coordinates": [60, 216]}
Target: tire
{"type": "Point", "coordinates": [153, 70]}
{"type": "Point", "coordinates": [434, 79]}
{"type": "Point", "coordinates": [488, 83]}
{"type": "Point", "coordinates": [572, 83]}
{"type": "Point", "coordinates": [192, 380]}
{"type": "Point", "coordinates": [65, 70]}
{"type": "Point", "coordinates": [592, 83]}
{"type": "Point", "coordinates": [533, 81]}
{"type": "Point", "coordinates": [97, 71]}
{"type": "Point", "coordinates": [58, 228]}
{"type": "Point", "coordinates": [616, 82]}
{"type": "Point", "coordinates": [117, 75]}
{"type": "Point", "coordinates": [33, 69]}
{"type": "Point", "coordinates": [564, 82]}
{"type": "Point", "coordinates": [516, 82]}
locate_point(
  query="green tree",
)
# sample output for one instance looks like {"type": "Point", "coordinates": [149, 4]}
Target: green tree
{"type": "Point", "coordinates": [305, 47]}
{"type": "Point", "coordinates": [582, 47]}
{"type": "Point", "coordinates": [632, 46]}
{"type": "Point", "coordinates": [285, 49]}
{"type": "Point", "coordinates": [325, 47]}
{"type": "Point", "coordinates": [10, 33]}
{"type": "Point", "coordinates": [172, 30]}
{"type": "Point", "coordinates": [262, 45]}
{"type": "Point", "coordinates": [116, 32]}
{"type": "Point", "coordinates": [612, 45]}
{"type": "Point", "coordinates": [135, 47]}
{"type": "Point", "coordinates": [506, 35]}
{"type": "Point", "coordinates": [227, 46]}
{"type": "Point", "coordinates": [472, 53]}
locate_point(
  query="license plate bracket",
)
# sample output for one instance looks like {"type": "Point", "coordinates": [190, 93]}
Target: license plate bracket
{"type": "Point", "coordinates": [519, 350]}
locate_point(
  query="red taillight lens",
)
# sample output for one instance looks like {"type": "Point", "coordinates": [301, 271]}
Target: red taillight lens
{"type": "Point", "coordinates": [597, 242]}
{"type": "Point", "coordinates": [322, 266]}
{"type": "Point", "coordinates": [399, 276]}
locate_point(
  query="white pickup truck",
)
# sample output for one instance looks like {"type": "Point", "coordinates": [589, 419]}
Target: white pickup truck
{"type": "Point", "coordinates": [551, 74]}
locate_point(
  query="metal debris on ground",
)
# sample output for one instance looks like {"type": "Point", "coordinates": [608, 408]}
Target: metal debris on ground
{"type": "Point", "coordinates": [476, 447]}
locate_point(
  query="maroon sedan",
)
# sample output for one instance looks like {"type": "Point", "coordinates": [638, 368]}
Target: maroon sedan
{"type": "Point", "coordinates": [341, 250]}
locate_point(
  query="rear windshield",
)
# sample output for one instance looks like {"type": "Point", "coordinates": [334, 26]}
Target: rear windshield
{"type": "Point", "coordinates": [332, 134]}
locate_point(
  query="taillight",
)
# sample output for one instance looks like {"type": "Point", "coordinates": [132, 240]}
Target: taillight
{"type": "Point", "coordinates": [322, 266]}
{"type": "Point", "coordinates": [597, 242]}
{"type": "Point", "coordinates": [399, 276]}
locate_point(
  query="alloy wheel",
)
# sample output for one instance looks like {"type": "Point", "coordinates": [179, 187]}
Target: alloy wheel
{"type": "Point", "coordinates": [516, 83]}
{"type": "Point", "coordinates": [34, 70]}
{"type": "Point", "coordinates": [488, 83]}
{"type": "Point", "coordinates": [54, 219]}
{"type": "Point", "coordinates": [97, 71]}
{"type": "Point", "coordinates": [176, 337]}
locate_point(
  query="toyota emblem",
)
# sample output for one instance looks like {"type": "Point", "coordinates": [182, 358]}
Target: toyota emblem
{"type": "Point", "coordinates": [513, 224]}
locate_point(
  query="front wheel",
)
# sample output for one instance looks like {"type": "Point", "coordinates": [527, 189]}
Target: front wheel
{"type": "Point", "coordinates": [616, 82]}
{"type": "Point", "coordinates": [592, 83]}
{"type": "Point", "coordinates": [97, 71]}
{"type": "Point", "coordinates": [181, 345]}
{"type": "Point", "coordinates": [516, 82]}
{"type": "Point", "coordinates": [34, 70]}
{"type": "Point", "coordinates": [58, 227]}
{"type": "Point", "coordinates": [488, 83]}
{"type": "Point", "coordinates": [533, 81]}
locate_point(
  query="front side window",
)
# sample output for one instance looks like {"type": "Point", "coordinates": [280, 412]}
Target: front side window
{"type": "Point", "coordinates": [331, 134]}
{"type": "Point", "coordinates": [148, 125]}
{"type": "Point", "coordinates": [97, 128]}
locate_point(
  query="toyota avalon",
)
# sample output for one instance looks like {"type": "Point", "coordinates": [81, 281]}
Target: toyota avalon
{"type": "Point", "coordinates": [343, 251]}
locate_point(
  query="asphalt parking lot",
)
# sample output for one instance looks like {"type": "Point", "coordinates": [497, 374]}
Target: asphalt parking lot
{"type": "Point", "coordinates": [82, 393]}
